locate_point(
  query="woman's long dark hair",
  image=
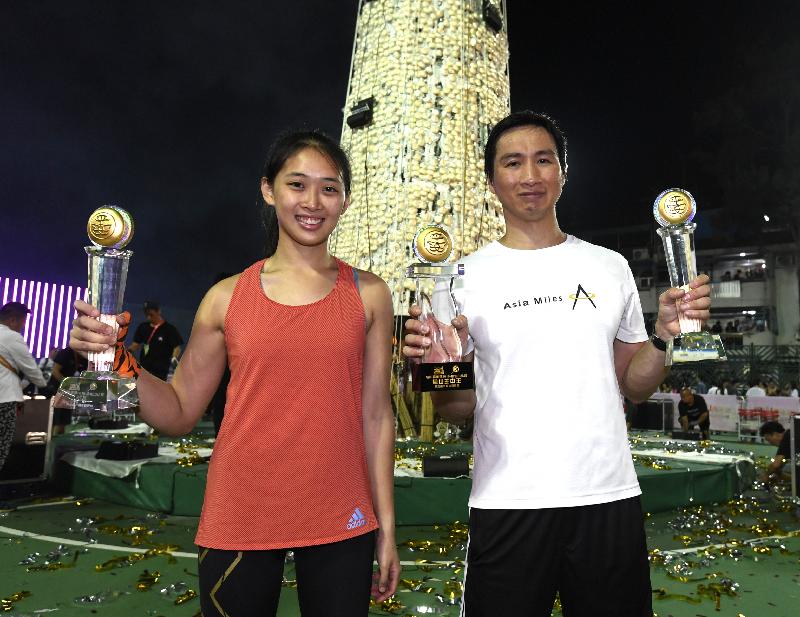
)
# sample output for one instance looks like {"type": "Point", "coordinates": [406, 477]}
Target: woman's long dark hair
{"type": "Point", "coordinates": [281, 150]}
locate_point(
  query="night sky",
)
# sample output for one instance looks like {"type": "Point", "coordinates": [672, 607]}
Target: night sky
{"type": "Point", "coordinates": [166, 108]}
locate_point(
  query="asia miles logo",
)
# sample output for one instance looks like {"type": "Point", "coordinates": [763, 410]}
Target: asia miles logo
{"type": "Point", "coordinates": [582, 294]}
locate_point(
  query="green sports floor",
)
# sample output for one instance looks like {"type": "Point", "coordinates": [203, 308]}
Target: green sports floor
{"type": "Point", "coordinates": [69, 557]}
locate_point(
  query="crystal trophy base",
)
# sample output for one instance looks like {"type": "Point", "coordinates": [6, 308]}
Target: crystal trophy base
{"type": "Point", "coordinates": [98, 393]}
{"type": "Point", "coordinates": [695, 347]}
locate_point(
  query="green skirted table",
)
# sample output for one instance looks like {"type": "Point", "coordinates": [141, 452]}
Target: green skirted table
{"type": "Point", "coordinates": [418, 501]}
{"type": "Point", "coordinates": [689, 484]}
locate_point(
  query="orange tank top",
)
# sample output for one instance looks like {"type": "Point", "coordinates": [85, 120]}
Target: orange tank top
{"type": "Point", "coordinates": [289, 467]}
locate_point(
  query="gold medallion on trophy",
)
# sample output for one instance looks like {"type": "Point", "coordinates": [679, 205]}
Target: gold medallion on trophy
{"type": "Point", "coordinates": [674, 207]}
{"type": "Point", "coordinates": [110, 227]}
{"type": "Point", "coordinates": [433, 244]}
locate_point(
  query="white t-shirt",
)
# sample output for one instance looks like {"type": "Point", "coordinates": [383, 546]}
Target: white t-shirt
{"type": "Point", "coordinates": [15, 351]}
{"type": "Point", "coordinates": [549, 422]}
{"type": "Point", "coordinates": [755, 391]}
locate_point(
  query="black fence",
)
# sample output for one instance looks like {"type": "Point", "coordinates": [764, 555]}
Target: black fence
{"type": "Point", "coordinates": [779, 364]}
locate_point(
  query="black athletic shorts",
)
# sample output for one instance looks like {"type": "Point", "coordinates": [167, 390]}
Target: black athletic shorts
{"type": "Point", "coordinates": [595, 557]}
{"type": "Point", "coordinates": [333, 580]}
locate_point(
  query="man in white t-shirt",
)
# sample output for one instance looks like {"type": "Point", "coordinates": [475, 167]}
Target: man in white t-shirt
{"type": "Point", "coordinates": [556, 333]}
{"type": "Point", "coordinates": [755, 389]}
{"type": "Point", "coordinates": [16, 362]}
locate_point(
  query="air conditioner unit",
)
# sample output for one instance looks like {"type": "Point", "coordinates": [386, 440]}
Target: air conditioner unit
{"type": "Point", "coordinates": [640, 254]}
{"type": "Point", "coordinates": [644, 282]}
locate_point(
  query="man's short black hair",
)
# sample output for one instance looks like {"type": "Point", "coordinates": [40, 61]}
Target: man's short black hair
{"type": "Point", "coordinates": [11, 310]}
{"type": "Point", "coordinates": [770, 427]}
{"type": "Point", "coordinates": [516, 120]}
{"type": "Point", "coordinates": [151, 305]}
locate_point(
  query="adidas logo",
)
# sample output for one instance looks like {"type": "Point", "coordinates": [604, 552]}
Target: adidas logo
{"type": "Point", "coordinates": [357, 520]}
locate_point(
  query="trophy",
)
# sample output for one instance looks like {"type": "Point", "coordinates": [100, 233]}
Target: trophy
{"type": "Point", "coordinates": [441, 367]}
{"type": "Point", "coordinates": [100, 391]}
{"type": "Point", "coordinates": [674, 210]}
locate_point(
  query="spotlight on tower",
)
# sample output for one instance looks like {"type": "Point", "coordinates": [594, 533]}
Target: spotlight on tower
{"type": "Point", "coordinates": [492, 16]}
{"type": "Point", "coordinates": [361, 113]}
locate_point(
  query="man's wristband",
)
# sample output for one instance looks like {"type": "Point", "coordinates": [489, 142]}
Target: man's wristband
{"type": "Point", "coordinates": [658, 343]}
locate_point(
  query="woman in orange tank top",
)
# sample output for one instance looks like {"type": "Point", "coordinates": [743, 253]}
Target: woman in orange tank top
{"type": "Point", "coordinates": [304, 457]}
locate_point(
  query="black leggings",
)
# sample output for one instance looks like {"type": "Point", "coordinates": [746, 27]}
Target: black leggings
{"type": "Point", "coordinates": [333, 580]}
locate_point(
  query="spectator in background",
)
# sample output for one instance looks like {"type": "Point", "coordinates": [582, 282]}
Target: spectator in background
{"type": "Point", "coordinates": [693, 412]}
{"type": "Point", "coordinates": [717, 327]}
{"type": "Point", "coordinates": [737, 276]}
{"type": "Point", "coordinates": [747, 325]}
{"type": "Point", "coordinates": [726, 276]}
{"type": "Point", "coordinates": [772, 389]}
{"type": "Point", "coordinates": [774, 433]}
{"type": "Point", "coordinates": [729, 327]}
{"type": "Point", "coordinates": [700, 387]}
{"type": "Point", "coordinates": [66, 363]}
{"type": "Point", "coordinates": [793, 389]}
{"type": "Point", "coordinates": [756, 389]}
{"type": "Point", "coordinates": [714, 389]}
{"type": "Point", "coordinates": [46, 366]}
{"type": "Point", "coordinates": [46, 363]}
{"type": "Point", "coordinates": [16, 361]}
{"type": "Point", "coordinates": [159, 341]}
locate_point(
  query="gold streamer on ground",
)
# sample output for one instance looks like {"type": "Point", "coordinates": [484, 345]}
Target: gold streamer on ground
{"type": "Point", "coordinates": [129, 560]}
{"type": "Point", "coordinates": [138, 533]}
{"type": "Point", "coordinates": [453, 590]}
{"type": "Point", "coordinates": [453, 538]}
{"type": "Point", "coordinates": [7, 604]}
{"type": "Point", "coordinates": [191, 460]}
{"type": "Point", "coordinates": [390, 605]}
{"type": "Point", "coordinates": [417, 585]}
{"type": "Point", "coordinates": [147, 580]}
{"type": "Point", "coordinates": [653, 463]}
{"type": "Point", "coordinates": [187, 595]}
